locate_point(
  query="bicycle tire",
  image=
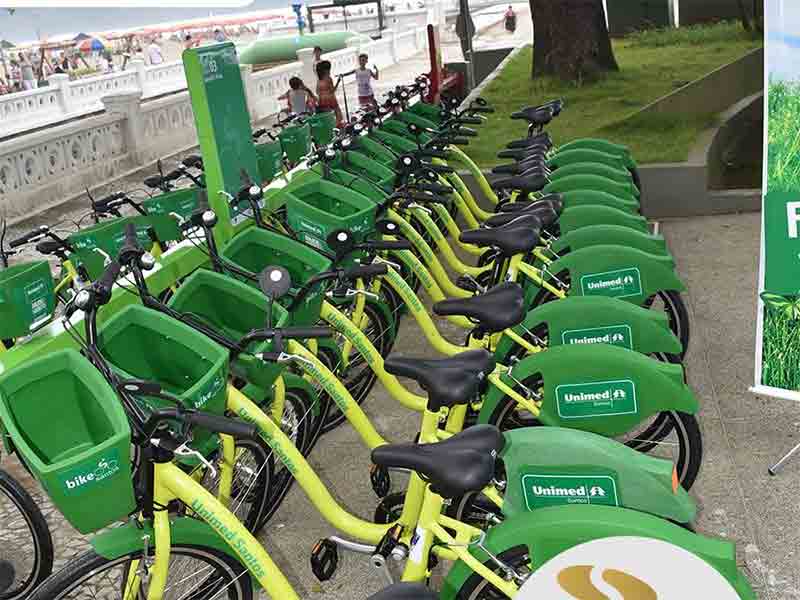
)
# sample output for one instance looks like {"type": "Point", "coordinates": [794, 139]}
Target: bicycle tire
{"type": "Point", "coordinates": [477, 588]}
{"type": "Point", "coordinates": [41, 540]}
{"type": "Point", "coordinates": [74, 576]}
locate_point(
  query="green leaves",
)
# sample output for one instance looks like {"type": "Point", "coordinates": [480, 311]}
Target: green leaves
{"type": "Point", "coordinates": [788, 306]}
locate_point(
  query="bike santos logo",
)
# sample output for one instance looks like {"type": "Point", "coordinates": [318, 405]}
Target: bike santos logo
{"type": "Point", "coordinates": [618, 284]}
{"type": "Point", "coordinates": [615, 335]}
{"type": "Point", "coordinates": [207, 394]}
{"type": "Point", "coordinates": [92, 472]}
{"type": "Point", "coordinates": [596, 399]}
{"type": "Point", "coordinates": [553, 490]}
{"type": "Point", "coordinates": [626, 568]}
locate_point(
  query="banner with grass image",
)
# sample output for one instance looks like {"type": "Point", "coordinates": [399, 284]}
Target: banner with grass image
{"type": "Point", "coordinates": [778, 319]}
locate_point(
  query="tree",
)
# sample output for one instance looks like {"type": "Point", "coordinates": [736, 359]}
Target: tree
{"type": "Point", "coordinates": [571, 39]}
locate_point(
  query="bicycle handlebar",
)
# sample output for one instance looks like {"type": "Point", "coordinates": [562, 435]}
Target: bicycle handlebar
{"type": "Point", "coordinates": [28, 237]}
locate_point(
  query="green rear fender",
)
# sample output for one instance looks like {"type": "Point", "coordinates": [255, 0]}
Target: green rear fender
{"type": "Point", "coordinates": [619, 476]}
{"type": "Point", "coordinates": [565, 158]}
{"type": "Point", "coordinates": [597, 144]}
{"type": "Point", "coordinates": [617, 271]}
{"type": "Point", "coordinates": [551, 531]}
{"type": "Point", "coordinates": [592, 182]}
{"type": "Point", "coordinates": [599, 388]}
{"type": "Point", "coordinates": [613, 235]}
{"type": "Point", "coordinates": [576, 217]}
{"type": "Point", "coordinates": [119, 541]}
{"type": "Point", "coordinates": [621, 176]}
{"type": "Point", "coordinates": [576, 198]}
{"type": "Point", "coordinates": [585, 320]}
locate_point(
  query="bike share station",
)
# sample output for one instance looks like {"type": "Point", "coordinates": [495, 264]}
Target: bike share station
{"type": "Point", "coordinates": [569, 498]}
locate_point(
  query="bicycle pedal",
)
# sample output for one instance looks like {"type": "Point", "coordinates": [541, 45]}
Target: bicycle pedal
{"type": "Point", "coordinates": [381, 480]}
{"type": "Point", "coordinates": [467, 283]}
{"type": "Point", "coordinates": [324, 559]}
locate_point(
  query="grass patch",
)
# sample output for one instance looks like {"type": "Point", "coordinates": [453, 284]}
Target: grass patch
{"type": "Point", "coordinates": [783, 137]}
{"type": "Point", "coordinates": [781, 353]}
{"type": "Point", "coordinates": [652, 64]}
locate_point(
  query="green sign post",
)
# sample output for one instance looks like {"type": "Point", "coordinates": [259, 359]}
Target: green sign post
{"type": "Point", "coordinates": [223, 127]}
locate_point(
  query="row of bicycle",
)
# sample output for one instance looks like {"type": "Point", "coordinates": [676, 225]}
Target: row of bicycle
{"type": "Point", "coordinates": [210, 367]}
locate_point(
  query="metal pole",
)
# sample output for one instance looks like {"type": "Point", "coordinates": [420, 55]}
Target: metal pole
{"type": "Point", "coordinates": [464, 9]}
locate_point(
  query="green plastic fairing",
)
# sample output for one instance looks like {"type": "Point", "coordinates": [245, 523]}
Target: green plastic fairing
{"type": "Point", "coordinates": [585, 320]}
{"type": "Point", "coordinates": [583, 216]}
{"type": "Point", "coordinates": [592, 182]}
{"type": "Point", "coordinates": [575, 198]}
{"type": "Point", "coordinates": [615, 235]}
{"type": "Point", "coordinates": [551, 531]}
{"type": "Point", "coordinates": [600, 388]}
{"type": "Point", "coordinates": [587, 469]}
{"type": "Point", "coordinates": [621, 176]}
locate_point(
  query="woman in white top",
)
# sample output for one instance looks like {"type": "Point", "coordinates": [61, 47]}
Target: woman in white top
{"type": "Point", "coordinates": [364, 77]}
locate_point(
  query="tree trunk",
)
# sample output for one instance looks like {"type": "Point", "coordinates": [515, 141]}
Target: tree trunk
{"type": "Point", "coordinates": [570, 39]}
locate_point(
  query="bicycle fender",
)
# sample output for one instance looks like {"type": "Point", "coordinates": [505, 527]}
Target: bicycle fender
{"type": "Point", "coordinates": [587, 469]}
{"type": "Point", "coordinates": [575, 198]}
{"type": "Point", "coordinates": [564, 158]}
{"type": "Point", "coordinates": [592, 182]}
{"type": "Point", "coordinates": [621, 176]}
{"type": "Point", "coordinates": [618, 150]}
{"type": "Point", "coordinates": [576, 217]}
{"type": "Point", "coordinates": [550, 531]}
{"type": "Point", "coordinates": [618, 272]}
{"type": "Point", "coordinates": [118, 541]}
{"type": "Point", "coordinates": [598, 388]}
{"type": "Point", "coordinates": [598, 320]}
{"type": "Point", "coordinates": [613, 235]}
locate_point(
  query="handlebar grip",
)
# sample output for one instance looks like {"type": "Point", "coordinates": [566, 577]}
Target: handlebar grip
{"type": "Point", "coordinates": [432, 153]}
{"type": "Point", "coordinates": [466, 132]}
{"type": "Point", "coordinates": [194, 160]}
{"type": "Point", "coordinates": [433, 188]}
{"type": "Point", "coordinates": [458, 141]}
{"type": "Point", "coordinates": [153, 181]}
{"type": "Point", "coordinates": [218, 424]}
{"type": "Point", "coordinates": [365, 271]}
{"type": "Point", "coordinates": [302, 333]}
{"type": "Point", "coordinates": [470, 120]}
{"type": "Point", "coordinates": [25, 238]}
{"type": "Point", "coordinates": [482, 109]}
{"type": "Point", "coordinates": [109, 276]}
{"type": "Point", "coordinates": [388, 245]}
{"type": "Point", "coordinates": [428, 198]}
{"type": "Point", "coordinates": [259, 132]}
{"type": "Point", "coordinates": [172, 175]}
{"type": "Point", "coordinates": [441, 169]}
{"type": "Point", "coordinates": [130, 235]}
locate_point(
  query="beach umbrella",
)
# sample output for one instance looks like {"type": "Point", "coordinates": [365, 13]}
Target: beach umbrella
{"type": "Point", "coordinates": [94, 44]}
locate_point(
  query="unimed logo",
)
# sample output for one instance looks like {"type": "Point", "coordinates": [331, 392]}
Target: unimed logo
{"type": "Point", "coordinates": [542, 490]}
{"type": "Point", "coordinates": [618, 284]}
{"type": "Point", "coordinates": [596, 399]}
{"type": "Point", "coordinates": [614, 335]}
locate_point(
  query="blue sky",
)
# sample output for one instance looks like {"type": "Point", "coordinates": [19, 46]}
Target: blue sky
{"type": "Point", "coordinates": [783, 39]}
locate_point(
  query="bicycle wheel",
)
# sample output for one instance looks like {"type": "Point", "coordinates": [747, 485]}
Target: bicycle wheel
{"type": "Point", "coordinates": [681, 442]}
{"type": "Point", "coordinates": [25, 541]}
{"type": "Point", "coordinates": [195, 572]}
{"type": "Point", "coordinates": [252, 480]}
{"type": "Point", "coordinates": [358, 377]}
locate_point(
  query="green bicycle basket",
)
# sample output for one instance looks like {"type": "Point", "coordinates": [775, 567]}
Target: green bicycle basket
{"type": "Point", "coordinates": [296, 142]}
{"type": "Point", "coordinates": [398, 143]}
{"type": "Point", "coordinates": [233, 309]}
{"type": "Point", "coordinates": [320, 207]}
{"type": "Point", "coordinates": [270, 160]}
{"type": "Point", "coordinates": [27, 298]}
{"type": "Point", "coordinates": [432, 112]}
{"type": "Point", "coordinates": [145, 344]}
{"type": "Point", "coordinates": [362, 165]}
{"type": "Point", "coordinates": [181, 202]}
{"type": "Point", "coordinates": [322, 126]}
{"type": "Point", "coordinates": [70, 429]}
{"type": "Point", "coordinates": [375, 151]}
{"type": "Point", "coordinates": [254, 249]}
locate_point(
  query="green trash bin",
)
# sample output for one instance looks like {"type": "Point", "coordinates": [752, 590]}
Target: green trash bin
{"type": "Point", "coordinates": [27, 298]}
{"type": "Point", "coordinates": [318, 208]}
{"type": "Point", "coordinates": [70, 429]}
{"type": "Point", "coordinates": [255, 249]}
{"type": "Point", "coordinates": [296, 142]}
{"type": "Point", "coordinates": [322, 126]}
{"type": "Point", "coordinates": [270, 160]}
{"type": "Point", "coordinates": [233, 309]}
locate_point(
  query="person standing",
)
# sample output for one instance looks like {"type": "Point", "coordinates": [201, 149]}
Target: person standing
{"type": "Point", "coordinates": [510, 20]}
{"type": "Point", "coordinates": [219, 35]}
{"type": "Point", "coordinates": [326, 92]}
{"type": "Point", "coordinates": [364, 77]}
{"type": "Point", "coordinates": [154, 53]}
{"type": "Point", "coordinates": [26, 72]}
{"type": "Point", "coordinates": [190, 42]}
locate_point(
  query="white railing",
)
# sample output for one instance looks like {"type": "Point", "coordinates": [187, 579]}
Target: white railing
{"type": "Point", "coordinates": [40, 169]}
